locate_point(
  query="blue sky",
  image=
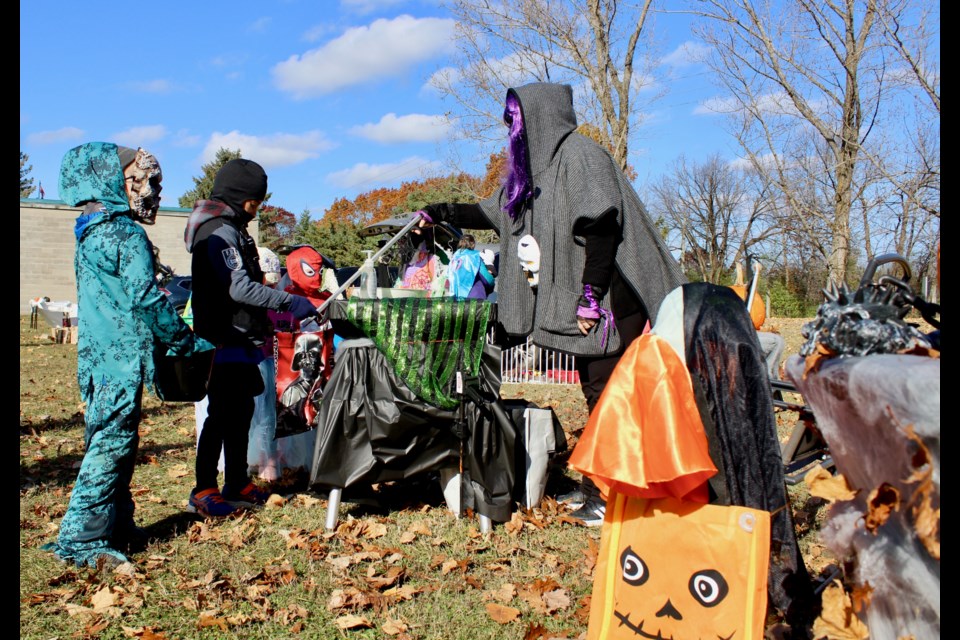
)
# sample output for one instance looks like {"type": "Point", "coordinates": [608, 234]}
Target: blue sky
{"type": "Point", "coordinates": [333, 98]}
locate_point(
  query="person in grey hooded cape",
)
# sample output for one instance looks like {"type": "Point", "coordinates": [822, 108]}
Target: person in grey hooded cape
{"type": "Point", "coordinates": [583, 268]}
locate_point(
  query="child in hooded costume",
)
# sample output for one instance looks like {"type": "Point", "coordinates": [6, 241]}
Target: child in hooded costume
{"type": "Point", "coordinates": [230, 304]}
{"type": "Point", "coordinates": [582, 266]}
{"type": "Point", "coordinates": [121, 313]}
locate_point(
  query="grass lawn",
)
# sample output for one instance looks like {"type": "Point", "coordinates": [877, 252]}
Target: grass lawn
{"type": "Point", "coordinates": [412, 571]}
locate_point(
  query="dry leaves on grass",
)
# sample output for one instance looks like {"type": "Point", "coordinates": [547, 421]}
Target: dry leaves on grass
{"type": "Point", "coordinates": [351, 621]}
{"type": "Point", "coordinates": [144, 633]}
{"type": "Point", "coordinates": [502, 614]}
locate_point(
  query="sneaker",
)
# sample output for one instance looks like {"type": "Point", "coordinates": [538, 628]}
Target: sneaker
{"type": "Point", "coordinates": [591, 513]}
{"type": "Point", "coordinates": [209, 504]}
{"type": "Point", "coordinates": [250, 496]}
{"type": "Point", "coordinates": [573, 499]}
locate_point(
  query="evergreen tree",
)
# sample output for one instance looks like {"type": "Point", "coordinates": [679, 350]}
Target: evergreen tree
{"type": "Point", "coordinates": [26, 184]}
{"type": "Point", "coordinates": [203, 186]}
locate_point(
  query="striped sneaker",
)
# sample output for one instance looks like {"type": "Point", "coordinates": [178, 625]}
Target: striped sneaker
{"type": "Point", "coordinates": [209, 504]}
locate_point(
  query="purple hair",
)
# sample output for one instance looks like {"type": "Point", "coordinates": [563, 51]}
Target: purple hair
{"type": "Point", "coordinates": [516, 184]}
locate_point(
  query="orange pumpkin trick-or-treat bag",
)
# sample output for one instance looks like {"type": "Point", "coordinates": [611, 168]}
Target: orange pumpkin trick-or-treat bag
{"type": "Point", "coordinates": [679, 569]}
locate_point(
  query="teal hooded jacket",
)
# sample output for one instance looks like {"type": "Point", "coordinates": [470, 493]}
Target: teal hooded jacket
{"type": "Point", "coordinates": [121, 308]}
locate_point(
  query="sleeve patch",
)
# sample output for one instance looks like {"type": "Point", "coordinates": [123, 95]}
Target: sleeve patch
{"type": "Point", "coordinates": [231, 257]}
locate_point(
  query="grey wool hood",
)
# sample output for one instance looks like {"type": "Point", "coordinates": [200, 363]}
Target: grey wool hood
{"type": "Point", "coordinates": [548, 118]}
{"type": "Point", "coordinates": [574, 181]}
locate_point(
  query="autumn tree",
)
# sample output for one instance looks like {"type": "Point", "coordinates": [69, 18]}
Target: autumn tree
{"type": "Point", "coordinates": [26, 183]}
{"type": "Point", "coordinates": [602, 47]}
{"type": "Point", "coordinates": [276, 225]}
{"type": "Point", "coordinates": [203, 185]}
{"type": "Point", "coordinates": [338, 240]}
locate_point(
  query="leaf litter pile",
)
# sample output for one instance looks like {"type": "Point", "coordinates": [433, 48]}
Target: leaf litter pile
{"type": "Point", "coordinates": [407, 569]}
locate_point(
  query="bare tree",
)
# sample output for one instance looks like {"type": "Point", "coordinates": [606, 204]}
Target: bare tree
{"type": "Point", "coordinates": [718, 212]}
{"type": "Point", "coordinates": [799, 68]}
{"type": "Point", "coordinates": [594, 45]}
{"type": "Point", "coordinates": [912, 29]}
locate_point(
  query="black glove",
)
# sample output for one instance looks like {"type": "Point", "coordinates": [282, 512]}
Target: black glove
{"type": "Point", "coordinates": [437, 212]}
{"type": "Point", "coordinates": [301, 308]}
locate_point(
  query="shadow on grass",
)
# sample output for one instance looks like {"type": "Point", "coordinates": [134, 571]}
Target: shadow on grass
{"type": "Point", "coordinates": [37, 427]}
{"type": "Point", "coordinates": [62, 470]}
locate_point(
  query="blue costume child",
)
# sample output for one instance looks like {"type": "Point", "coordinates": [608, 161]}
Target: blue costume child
{"type": "Point", "coordinates": [468, 275]}
{"type": "Point", "coordinates": [121, 313]}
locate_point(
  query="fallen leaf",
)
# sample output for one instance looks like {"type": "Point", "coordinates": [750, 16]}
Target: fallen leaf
{"type": "Point", "coordinates": [394, 627]}
{"type": "Point", "coordinates": [103, 599]}
{"type": "Point", "coordinates": [76, 610]}
{"type": "Point", "coordinates": [210, 619]}
{"type": "Point", "coordinates": [178, 471]}
{"type": "Point", "coordinates": [304, 500]}
{"type": "Point", "coordinates": [813, 361]}
{"type": "Point", "coordinates": [556, 600]}
{"type": "Point", "coordinates": [537, 632]}
{"type": "Point", "coordinates": [96, 626]}
{"type": "Point", "coordinates": [407, 537]}
{"type": "Point", "coordinates": [837, 620]}
{"type": "Point", "coordinates": [505, 593]}
{"type": "Point", "coordinates": [926, 522]}
{"type": "Point", "coordinates": [502, 614]}
{"type": "Point", "coordinates": [275, 501]}
{"type": "Point", "coordinates": [823, 484]}
{"type": "Point", "coordinates": [515, 525]}
{"type": "Point", "coordinates": [860, 596]}
{"type": "Point", "coordinates": [352, 622]}
{"type": "Point", "coordinates": [882, 501]}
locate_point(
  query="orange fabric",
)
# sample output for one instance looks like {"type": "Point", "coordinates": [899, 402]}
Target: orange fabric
{"type": "Point", "coordinates": [676, 569]}
{"type": "Point", "coordinates": [645, 438]}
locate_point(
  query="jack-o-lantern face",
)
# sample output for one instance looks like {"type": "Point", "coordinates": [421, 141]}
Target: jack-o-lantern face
{"type": "Point", "coordinates": [670, 575]}
{"type": "Point", "coordinates": [705, 589]}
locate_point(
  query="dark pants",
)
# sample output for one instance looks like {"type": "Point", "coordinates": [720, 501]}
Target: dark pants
{"type": "Point", "coordinates": [594, 372]}
{"type": "Point", "coordinates": [230, 401]}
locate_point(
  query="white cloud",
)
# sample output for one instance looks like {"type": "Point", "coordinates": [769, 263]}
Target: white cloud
{"type": "Point", "coordinates": [139, 136]}
{"type": "Point", "coordinates": [766, 161]}
{"type": "Point", "coordinates": [316, 32]}
{"type": "Point", "coordinates": [364, 7]}
{"type": "Point", "coordinates": [776, 103]}
{"type": "Point", "coordinates": [183, 138]}
{"type": "Point", "coordinates": [260, 24]}
{"type": "Point", "coordinates": [687, 54]}
{"type": "Point", "coordinates": [365, 176]}
{"type": "Point", "coordinates": [153, 86]}
{"type": "Point", "coordinates": [443, 77]}
{"type": "Point", "coordinates": [716, 106]}
{"type": "Point", "coordinates": [66, 134]}
{"type": "Point", "coordinates": [277, 150]}
{"type": "Point", "coordinates": [228, 60]}
{"type": "Point", "coordinates": [394, 129]}
{"type": "Point", "coordinates": [385, 48]}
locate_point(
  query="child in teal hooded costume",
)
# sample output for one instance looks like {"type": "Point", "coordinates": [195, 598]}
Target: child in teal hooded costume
{"type": "Point", "coordinates": [121, 313]}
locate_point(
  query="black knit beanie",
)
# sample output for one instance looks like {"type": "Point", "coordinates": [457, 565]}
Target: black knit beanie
{"type": "Point", "coordinates": [237, 181]}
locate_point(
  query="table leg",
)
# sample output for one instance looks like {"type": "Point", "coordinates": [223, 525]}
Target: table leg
{"type": "Point", "coordinates": [333, 508]}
